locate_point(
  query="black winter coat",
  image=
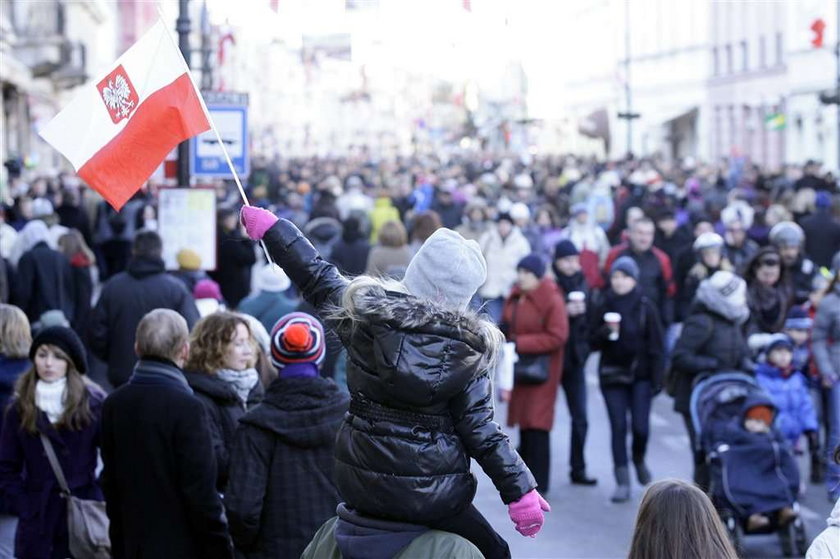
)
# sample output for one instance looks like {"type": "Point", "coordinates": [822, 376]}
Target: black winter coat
{"type": "Point", "coordinates": [351, 256]}
{"type": "Point", "coordinates": [281, 486]}
{"type": "Point", "coordinates": [421, 399]}
{"type": "Point", "coordinates": [125, 300]}
{"type": "Point", "coordinates": [822, 237]}
{"type": "Point", "coordinates": [641, 342]}
{"type": "Point", "coordinates": [159, 475]}
{"type": "Point", "coordinates": [235, 256]}
{"type": "Point", "coordinates": [709, 343]}
{"type": "Point", "coordinates": [224, 409]}
{"type": "Point", "coordinates": [577, 346]}
{"type": "Point", "coordinates": [44, 281]}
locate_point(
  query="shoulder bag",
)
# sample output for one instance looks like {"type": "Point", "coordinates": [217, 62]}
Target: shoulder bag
{"type": "Point", "coordinates": [87, 521]}
{"type": "Point", "coordinates": [529, 369]}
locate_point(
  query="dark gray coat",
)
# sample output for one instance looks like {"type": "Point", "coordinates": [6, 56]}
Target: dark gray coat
{"type": "Point", "coordinates": [281, 486]}
{"type": "Point", "coordinates": [709, 343]}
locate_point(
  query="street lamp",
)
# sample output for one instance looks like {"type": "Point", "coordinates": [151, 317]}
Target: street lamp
{"type": "Point", "coordinates": [182, 25]}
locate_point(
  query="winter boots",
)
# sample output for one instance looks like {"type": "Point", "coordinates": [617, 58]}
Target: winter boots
{"type": "Point", "coordinates": [622, 490]}
{"type": "Point", "coordinates": [642, 472]}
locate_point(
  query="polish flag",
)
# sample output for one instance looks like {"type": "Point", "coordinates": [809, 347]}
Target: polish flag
{"type": "Point", "coordinates": [119, 128]}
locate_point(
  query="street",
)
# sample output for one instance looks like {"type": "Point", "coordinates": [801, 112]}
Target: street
{"type": "Point", "coordinates": [583, 522]}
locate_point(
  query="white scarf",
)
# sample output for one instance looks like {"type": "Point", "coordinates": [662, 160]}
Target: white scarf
{"type": "Point", "coordinates": [241, 381]}
{"type": "Point", "coordinates": [50, 397]}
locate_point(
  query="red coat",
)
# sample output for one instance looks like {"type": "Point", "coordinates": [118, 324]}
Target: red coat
{"type": "Point", "coordinates": [542, 326]}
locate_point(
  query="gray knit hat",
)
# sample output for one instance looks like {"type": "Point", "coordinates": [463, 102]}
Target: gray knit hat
{"type": "Point", "coordinates": [626, 265]}
{"type": "Point", "coordinates": [447, 269]}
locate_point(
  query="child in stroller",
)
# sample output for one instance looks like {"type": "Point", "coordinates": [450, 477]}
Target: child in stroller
{"type": "Point", "coordinates": [754, 477]}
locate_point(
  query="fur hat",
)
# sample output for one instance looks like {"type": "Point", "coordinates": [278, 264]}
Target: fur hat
{"type": "Point", "coordinates": [66, 340]}
{"type": "Point", "coordinates": [297, 338]}
{"type": "Point", "coordinates": [447, 269]}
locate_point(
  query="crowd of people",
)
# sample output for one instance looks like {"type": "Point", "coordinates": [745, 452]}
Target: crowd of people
{"type": "Point", "coordinates": [404, 296]}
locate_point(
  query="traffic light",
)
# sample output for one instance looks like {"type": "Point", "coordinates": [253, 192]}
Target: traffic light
{"type": "Point", "coordinates": [818, 27]}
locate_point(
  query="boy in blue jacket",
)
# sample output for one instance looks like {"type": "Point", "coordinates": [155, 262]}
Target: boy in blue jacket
{"type": "Point", "coordinates": [788, 389]}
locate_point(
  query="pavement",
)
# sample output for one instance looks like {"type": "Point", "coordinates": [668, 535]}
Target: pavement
{"type": "Point", "coordinates": [583, 523]}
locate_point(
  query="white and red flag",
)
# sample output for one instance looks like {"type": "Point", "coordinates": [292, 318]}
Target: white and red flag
{"type": "Point", "coordinates": [119, 128]}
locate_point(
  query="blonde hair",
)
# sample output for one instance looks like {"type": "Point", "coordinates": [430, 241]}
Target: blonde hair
{"type": "Point", "coordinates": [15, 334]}
{"type": "Point", "coordinates": [209, 341]}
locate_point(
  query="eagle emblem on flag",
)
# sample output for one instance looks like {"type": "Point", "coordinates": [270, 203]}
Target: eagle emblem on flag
{"type": "Point", "coordinates": [118, 94]}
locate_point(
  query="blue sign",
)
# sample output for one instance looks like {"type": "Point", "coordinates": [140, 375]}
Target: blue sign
{"type": "Point", "coordinates": [208, 159]}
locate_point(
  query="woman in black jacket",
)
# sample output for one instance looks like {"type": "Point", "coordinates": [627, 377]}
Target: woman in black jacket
{"type": "Point", "coordinates": [768, 293]}
{"type": "Point", "coordinates": [221, 372]}
{"type": "Point", "coordinates": [630, 371]}
{"type": "Point", "coordinates": [711, 341]}
{"type": "Point", "coordinates": [281, 485]}
{"type": "Point", "coordinates": [421, 398]}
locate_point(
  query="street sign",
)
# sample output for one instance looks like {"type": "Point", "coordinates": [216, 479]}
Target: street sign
{"type": "Point", "coordinates": [229, 111]}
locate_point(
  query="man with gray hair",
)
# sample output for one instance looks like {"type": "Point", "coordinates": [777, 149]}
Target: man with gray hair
{"type": "Point", "coordinates": [159, 475]}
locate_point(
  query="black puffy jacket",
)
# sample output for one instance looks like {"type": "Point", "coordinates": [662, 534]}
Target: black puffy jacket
{"type": "Point", "coordinates": [421, 400]}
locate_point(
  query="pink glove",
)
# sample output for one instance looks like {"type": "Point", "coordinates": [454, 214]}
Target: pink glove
{"type": "Point", "coordinates": [527, 513]}
{"type": "Point", "coordinates": [256, 221]}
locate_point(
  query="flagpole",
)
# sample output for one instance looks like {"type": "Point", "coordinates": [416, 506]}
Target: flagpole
{"type": "Point", "coordinates": [212, 126]}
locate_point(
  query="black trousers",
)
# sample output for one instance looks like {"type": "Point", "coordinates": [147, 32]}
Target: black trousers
{"type": "Point", "coordinates": [472, 525]}
{"type": "Point", "coordinates": [535, 450]}
{"type": "Point", "coordinates": [701, 470]}
{"type": "Point", "coordinates": [574, 386]}
{"type": "Point", "coordinates": [634, 399]}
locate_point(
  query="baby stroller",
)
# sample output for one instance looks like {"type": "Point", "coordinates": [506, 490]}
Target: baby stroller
{"type": "Point", "coordinates": [749, 472]}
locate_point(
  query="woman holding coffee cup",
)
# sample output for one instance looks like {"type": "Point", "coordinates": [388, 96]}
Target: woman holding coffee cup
{"type": "Point", "coordinates": [627, 332]}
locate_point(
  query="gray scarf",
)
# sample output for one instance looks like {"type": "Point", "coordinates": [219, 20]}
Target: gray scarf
{"type": "Point", "coordinates": [242, 382]}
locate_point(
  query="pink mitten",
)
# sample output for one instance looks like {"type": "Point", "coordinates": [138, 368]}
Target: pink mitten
{"type": "Point", "coordinates": [527, 513]}
{"type": "Point", "coordinates": [257, 221]}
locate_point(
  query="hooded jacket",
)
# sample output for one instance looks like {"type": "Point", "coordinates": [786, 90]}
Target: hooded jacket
{"type": "Point", "coordinates": [281, 485]}
{"type": "Point", "coordinates": [792, 397]}
{"type": "Point", "coordinates": [827, 544]}
{"type": "Point", "coordinates": [421, 398]}
{"type": "Point", "coordinates": [125, 300]}
{"type": "Point", "coordinates": [711, 341]}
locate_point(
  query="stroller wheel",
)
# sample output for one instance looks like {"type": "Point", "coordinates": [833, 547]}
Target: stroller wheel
{"type": "Point", "coordinates": [800, 538]}
{"type": "Point", "coordinates": [736, 533]}
{"type": "Point", "coordinates": [786, 539]}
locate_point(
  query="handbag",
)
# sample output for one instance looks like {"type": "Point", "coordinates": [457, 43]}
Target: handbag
{"type": "Point", "coordinates": [529, 369]}
{"type": "Point", "coordinates": [87, 521]}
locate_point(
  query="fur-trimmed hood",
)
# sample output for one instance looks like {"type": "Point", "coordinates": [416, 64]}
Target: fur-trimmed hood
{"type": "Point", "coordinates": [375, 304]}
